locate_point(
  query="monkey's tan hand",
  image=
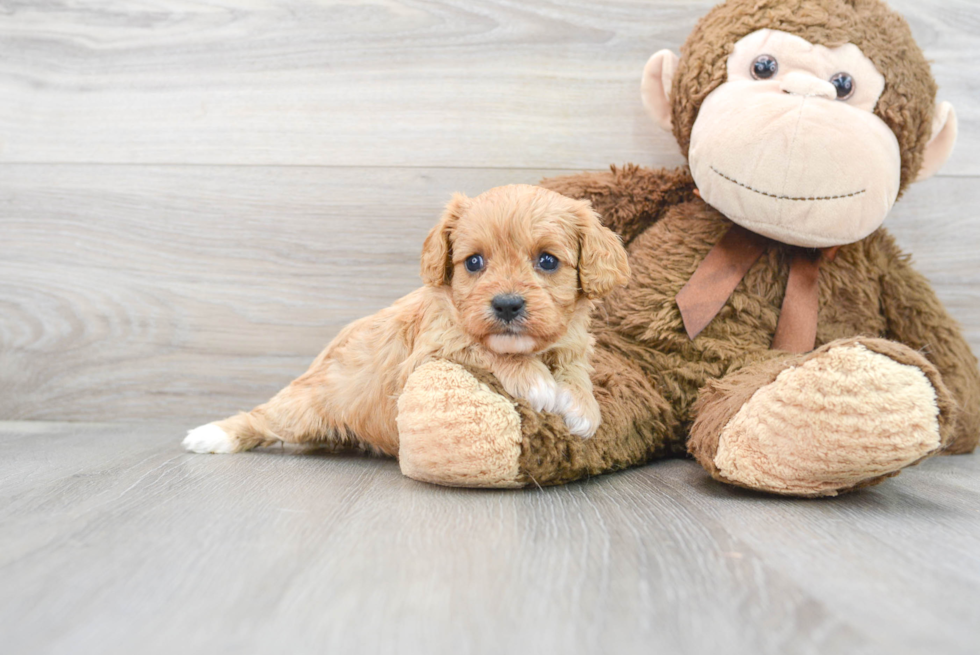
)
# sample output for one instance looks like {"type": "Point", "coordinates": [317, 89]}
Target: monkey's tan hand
{"type": "Point", "coordinates": [454, 430]}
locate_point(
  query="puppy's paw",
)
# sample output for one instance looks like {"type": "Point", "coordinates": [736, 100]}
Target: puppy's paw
{"type": "Point", "coordinates": [209, 439]}
{"type": "Point", "coordinates": [580, 426]}
{"type": "Point", "coordinates": [543, 395]}
{"type": "Point", "coordinates": [579, 409]}
{"type": "Point", "coordinates": [581, 414]}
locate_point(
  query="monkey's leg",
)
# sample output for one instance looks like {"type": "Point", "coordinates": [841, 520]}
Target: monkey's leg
{"type": "Point", "coordinates": [458, 427]}
{"type": "Point", "coordinates": [847, 415]}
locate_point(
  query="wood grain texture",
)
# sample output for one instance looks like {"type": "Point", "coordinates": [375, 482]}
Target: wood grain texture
{"type": "Point", "coordinates": [116, 542]}
{"type": "Point", "coordinates": [500, 83]}
{"type": "Point", "coordinates": [133, 292]}
{"type": "Point", "coordinates": [162, 291]}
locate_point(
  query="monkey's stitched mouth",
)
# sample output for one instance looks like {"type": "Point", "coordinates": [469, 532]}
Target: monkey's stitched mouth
{"type": "Point", "coordinates": [778, 197]}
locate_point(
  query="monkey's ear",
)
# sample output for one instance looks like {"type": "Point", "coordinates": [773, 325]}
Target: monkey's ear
{"type": "Point", "coordinates": [940, 146]}
{"type": "Point", "coordinates": [437, 250]}
{"type": "Point", "coordinates": [658, 76]}
{"type": "Point", "coordinates": [602, 261]}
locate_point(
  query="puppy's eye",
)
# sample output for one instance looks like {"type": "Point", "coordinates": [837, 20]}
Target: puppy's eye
{"type": "Point", "coordinates": [547, 262]}
{"type": "Point", "coordinates": [764, 67]}
{"type": "Point", "coordinates": [474, 263]}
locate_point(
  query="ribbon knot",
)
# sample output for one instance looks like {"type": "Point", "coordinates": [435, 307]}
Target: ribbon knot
{"type": "Point", "coordinates": [716, 278]}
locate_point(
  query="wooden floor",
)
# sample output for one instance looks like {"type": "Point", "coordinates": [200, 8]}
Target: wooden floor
{"type": "Point", "coordinates": [114, 541]}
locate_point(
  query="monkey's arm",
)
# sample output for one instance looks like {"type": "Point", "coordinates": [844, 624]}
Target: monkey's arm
{"type": "Point", "coordinates": [628, 199]}
{"type": "Point", "coordinates": [458, 427]}
{"type": "Point", "coordinates": [916, 318]}
{"type": "Point", "coordinates": [637, 425]}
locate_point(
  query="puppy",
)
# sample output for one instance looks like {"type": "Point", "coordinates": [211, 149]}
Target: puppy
{"type": "Point", "coordinates": [510, 278]}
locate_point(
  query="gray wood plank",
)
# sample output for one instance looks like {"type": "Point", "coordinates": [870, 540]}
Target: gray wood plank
{"type": "Point", "coordinates": [133, 292]}
{"type": "Point", "coordinates": [117, 542]}
{"type": "Point", "coordinates": [536, 84]}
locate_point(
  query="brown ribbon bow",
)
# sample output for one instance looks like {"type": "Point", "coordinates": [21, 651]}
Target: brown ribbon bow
{"type": "Point", "coordinates": [715, 280]}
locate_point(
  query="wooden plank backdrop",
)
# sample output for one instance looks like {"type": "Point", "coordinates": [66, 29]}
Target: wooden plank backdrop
{"type": "Point", "coordinates": [196, 195]}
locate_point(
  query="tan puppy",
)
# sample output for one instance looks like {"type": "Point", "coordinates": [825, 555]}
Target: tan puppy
{"type": "Point", "coordinates": [510, 277]}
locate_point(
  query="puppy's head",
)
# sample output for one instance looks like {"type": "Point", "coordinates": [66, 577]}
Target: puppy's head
{"type": "Point", "coordinates": [521, 262]}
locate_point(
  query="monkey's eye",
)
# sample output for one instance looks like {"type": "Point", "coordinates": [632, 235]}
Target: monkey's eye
{"type": "Point", "coordinates": [474, 263]}
{"type": "Point", "coordinates": [844, 84]}
{"type": "Point", "coordinates": [547, 262]}
{"type": "Point", "coordinates": [764, 67]}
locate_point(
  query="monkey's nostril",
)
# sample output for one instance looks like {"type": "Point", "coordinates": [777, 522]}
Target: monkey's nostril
{"type": "Point", "coordinates": [807, 86]}
{"type": "Point", "coordinates": [508, 307]}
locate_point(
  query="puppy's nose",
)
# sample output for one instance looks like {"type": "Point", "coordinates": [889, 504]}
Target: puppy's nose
{"type": "Point", "coordinates": [507, 307]}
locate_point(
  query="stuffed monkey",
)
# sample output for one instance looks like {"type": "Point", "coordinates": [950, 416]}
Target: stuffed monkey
{"type": "Point", "coordinates": [772, 329]}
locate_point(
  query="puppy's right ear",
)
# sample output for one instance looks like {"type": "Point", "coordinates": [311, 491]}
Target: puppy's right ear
{"type": "Point", "coordinates": [437, 251]}
{"type": "Point", "coordinates": [602, 262]}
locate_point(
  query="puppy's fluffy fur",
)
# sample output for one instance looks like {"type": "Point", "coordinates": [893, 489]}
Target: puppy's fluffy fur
{"type": "Point", "coordinates": [349, 395]}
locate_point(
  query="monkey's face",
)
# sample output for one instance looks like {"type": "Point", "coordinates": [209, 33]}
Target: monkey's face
{"type": "Point", "coordinates": [789, 146]}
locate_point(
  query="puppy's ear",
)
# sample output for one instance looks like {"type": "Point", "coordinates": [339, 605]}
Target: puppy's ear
{"type": "Point", "coordinates": [437, 251]}
{"type": "Point", "coordinates": [602, 261]}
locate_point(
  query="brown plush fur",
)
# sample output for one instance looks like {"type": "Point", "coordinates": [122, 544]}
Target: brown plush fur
{"type": "Point", "coordinates": [906, 105]}
{"type": "Point", "coordinates": [350, 392]}
{"type": "Point", "coordinates": [653, 382]}
{"type": "Point", "coordinates": [649, 374]}
{"type": "Point", "coordinates": [879, 322]}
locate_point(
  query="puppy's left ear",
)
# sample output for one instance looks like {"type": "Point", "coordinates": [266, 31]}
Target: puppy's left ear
{"type": "Point", "coordinates": [437, 250]}
{"type": "Point", "coordinates": [602, 261]}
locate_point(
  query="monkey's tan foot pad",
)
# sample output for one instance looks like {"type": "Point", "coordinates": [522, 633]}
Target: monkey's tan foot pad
{"type": "Point", "coordinates": [845, 418]}
{"type": "Point", "coordinates": [453, 430]}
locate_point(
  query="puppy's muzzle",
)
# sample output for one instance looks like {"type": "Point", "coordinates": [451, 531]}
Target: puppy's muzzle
{"type": "Point", "coordinates": [508, 307]}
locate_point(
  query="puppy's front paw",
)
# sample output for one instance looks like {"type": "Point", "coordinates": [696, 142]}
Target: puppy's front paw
{"type": "Point", "coordinates": [543, 396]}
{"type": "Point", "coordinates": [580, 410]}
{"type": "Point", "coordinates": [581, 414]}
{"type": "Point", "coordinates": [209, 439]}
{"type": "Point", "coordinates": [580, 426]}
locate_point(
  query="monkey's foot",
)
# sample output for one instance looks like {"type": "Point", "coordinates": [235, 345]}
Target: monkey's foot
{"type": "Point", "coordinates": [845, 416]}
{"type": "Point", "coordinates": [454, 430]}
